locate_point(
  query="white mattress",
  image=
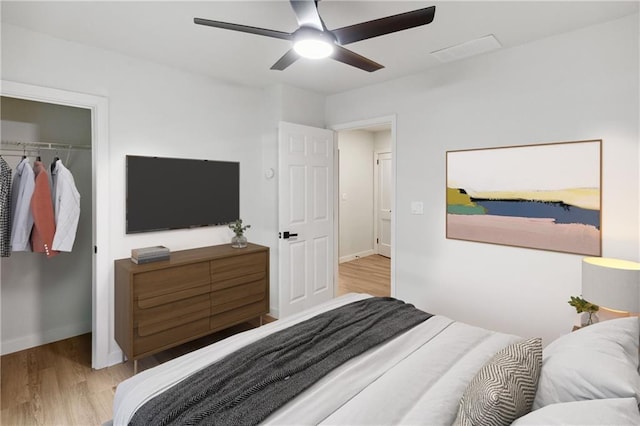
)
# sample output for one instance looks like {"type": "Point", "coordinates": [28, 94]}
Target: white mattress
{"type": "Point", "coordinates": [416, 378]}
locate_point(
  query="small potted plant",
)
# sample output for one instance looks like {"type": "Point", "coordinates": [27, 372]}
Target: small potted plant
{"type": "Point", "coordinates": [238, 240]}
{"type": "Point", "coordinates": [582, 306]}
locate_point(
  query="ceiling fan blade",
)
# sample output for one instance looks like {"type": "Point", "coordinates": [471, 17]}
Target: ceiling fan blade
{"type": "Point", "coordinates": [307, 13]}
{"type": "Point", "coordinates": [382, 26]}
{"type": "Point", "coordinates": [348, 57]}
{"type": "Point", "coordinates": [243, 28]}
{"type": "Point", "coordinates": [287, 59]}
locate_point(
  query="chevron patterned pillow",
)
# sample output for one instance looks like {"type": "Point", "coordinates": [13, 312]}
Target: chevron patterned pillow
{"type": "Point", "coordinates": [504, 388]}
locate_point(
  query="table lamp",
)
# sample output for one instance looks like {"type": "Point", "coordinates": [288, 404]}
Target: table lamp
{"type": "Point", "coordinates": [613, 284]}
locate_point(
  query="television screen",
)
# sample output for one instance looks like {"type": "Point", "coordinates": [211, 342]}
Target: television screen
{"type": "Point", "coordinates": [174, 193]}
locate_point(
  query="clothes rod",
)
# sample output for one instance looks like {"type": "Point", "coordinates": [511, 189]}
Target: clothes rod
{"type": "Point", "coordinates": [44, 145]}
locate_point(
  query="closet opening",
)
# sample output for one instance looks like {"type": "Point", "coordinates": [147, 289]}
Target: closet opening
{"type": "Point", "coordinates": [47, 297]}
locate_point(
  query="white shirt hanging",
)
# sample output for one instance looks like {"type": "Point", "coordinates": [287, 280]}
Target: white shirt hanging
{"type": "Point", "coordinates": [66, 207]}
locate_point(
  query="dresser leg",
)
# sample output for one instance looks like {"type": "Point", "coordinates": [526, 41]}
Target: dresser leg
{"type": "Point", "coordinates": [135, 367]}
{"type": "Point", "coordinates": [260, 320]}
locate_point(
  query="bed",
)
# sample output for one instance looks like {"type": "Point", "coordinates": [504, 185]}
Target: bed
{"type": "Point", "coordinates": [438, 372]}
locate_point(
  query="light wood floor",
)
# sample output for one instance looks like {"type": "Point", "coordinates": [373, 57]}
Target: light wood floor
{"type": "Point", "coordinates": [54, 385]}
{"type": "Point", "coordinates": [371, 274]}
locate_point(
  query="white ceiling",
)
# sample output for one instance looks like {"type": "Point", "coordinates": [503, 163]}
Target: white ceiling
{"type": "Point", "coordinates": [164, 32]}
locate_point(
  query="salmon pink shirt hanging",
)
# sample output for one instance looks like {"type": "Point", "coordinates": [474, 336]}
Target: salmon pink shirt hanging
{"type": "Point", "coordinates": [44, 226]}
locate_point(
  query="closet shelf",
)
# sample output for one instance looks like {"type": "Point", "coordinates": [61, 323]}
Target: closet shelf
{"type": "Point", "coordinates": [42, 145]}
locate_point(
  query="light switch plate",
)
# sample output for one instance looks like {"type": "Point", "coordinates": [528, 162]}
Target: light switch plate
{"type": "Point", "coordinates": [417, 207]}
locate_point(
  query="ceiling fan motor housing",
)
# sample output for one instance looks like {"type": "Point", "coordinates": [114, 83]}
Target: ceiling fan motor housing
{"type": "Point", "coordinates": [312, 43]}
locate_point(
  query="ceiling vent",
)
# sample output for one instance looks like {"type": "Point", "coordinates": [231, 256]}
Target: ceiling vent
{"type": "Point", "coordinates": [467, 49]}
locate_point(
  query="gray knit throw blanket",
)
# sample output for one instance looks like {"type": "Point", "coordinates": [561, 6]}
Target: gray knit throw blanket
{"type": "Point", "coordinates": [246, 386]}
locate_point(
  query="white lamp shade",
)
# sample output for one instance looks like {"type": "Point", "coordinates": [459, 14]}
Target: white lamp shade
{"type": "Point", "coordinates": [611, 283]}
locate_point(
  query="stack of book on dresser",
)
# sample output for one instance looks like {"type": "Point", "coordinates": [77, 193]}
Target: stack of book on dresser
{"type": "Point", "coordinates": [150, 254]}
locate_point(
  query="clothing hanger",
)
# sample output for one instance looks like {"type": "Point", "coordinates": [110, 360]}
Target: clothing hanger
{"type": "Point", "coordinates": [53, 163]}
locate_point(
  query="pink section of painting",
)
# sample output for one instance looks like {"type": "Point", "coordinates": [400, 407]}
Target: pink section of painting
{"type": "Point", "coordinates": [541, 234]}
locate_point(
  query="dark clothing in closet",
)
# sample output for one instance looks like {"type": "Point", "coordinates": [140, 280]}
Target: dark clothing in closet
{"type": "Point", "coordinates": [5, 208]}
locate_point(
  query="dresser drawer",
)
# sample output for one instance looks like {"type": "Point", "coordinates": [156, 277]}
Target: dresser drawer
{"type": "Point", "coordinates": [169, 338]}
{"type": "Point", "coordinates": [159, 287]}
{"type": "Point", "coordinates": [233, 270]}
{"type": "Point", "coordinates": [234, 297]}
{"type": "Point", "coordinates": [236, 316]}
{"type": "Point", "coordinates": [163, 317]}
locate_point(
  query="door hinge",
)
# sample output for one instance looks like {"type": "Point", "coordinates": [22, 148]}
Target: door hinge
{"type": "Point", "coordinates": [95, 249]}
{"type": "Point", "coordinates": [377, 240]}
{"type": "Point", "coordinates": [378, 162]}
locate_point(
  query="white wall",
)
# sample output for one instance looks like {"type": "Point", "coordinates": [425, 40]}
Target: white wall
{"type": "Point", "coordinates": [576, 86]}
{"type": "Point", "coordinates": [153, 110]}
{"type": "Point", "coordinates": [49, 299]}
{"type": "Point", "coordinates": [356, 193]}
{"type": "Point", "coordinates": [382, 141]}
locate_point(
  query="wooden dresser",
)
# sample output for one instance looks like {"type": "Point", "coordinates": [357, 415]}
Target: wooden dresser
{"type": "Point", "coordinates": [197, 292]}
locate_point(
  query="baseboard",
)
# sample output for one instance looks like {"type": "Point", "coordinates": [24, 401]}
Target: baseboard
{"type": "Point", "coordinates": [355, 256]}
{"type": "Point", "coordinates": [48, 336]}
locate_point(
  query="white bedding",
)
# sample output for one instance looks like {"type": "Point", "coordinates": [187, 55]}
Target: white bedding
{"type": "Point", "coordinates": [416, 378]}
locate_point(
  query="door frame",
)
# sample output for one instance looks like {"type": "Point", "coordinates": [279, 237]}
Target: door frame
{"type": "Point", "coordinates": [353, 125]}
{"type": "Point", "coordinates": [102, 294]}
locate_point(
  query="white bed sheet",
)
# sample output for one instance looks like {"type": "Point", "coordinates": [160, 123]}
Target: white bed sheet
{"type": "Point", "coordinates": [416, 378]}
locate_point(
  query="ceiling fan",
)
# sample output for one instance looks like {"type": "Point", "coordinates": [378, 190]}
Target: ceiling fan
{"type": "Point", "coordinates": [313, 40]}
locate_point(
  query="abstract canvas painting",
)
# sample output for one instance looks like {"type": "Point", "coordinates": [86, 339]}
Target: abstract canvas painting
{"type": "Point", "coordinates": [544, 196]}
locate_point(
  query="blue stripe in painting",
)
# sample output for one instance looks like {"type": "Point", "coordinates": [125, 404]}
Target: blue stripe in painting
{"type": "Point", "coordinates": [561, 212]}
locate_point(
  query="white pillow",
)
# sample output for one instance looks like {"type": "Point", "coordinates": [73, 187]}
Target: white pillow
{"type": "Point", "coordinates": [597, 412]}
{"type": "Point", "coordinates": [596, 362]}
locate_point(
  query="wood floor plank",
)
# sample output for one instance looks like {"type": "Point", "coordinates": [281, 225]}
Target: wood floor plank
{"type": "Point", "coordinates": [371, 274]}
{"type": "Point", "coordinates": [20, 414]}
{"type": "Point", "coordinates": [79, 407]}
{"type": "Point", "coordinates": [15, 383]}
{"type": "Point", "coordinates": [102, 404]}
{"type": "Point", "coordinates": [47, 399]}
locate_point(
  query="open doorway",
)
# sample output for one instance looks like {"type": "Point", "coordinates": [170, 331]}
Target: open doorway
{"type": "Point", "coordinates": [364, 204]}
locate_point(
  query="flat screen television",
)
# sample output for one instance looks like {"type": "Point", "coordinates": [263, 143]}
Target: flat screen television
{"type": "Point", "coordinates": [176, 193]}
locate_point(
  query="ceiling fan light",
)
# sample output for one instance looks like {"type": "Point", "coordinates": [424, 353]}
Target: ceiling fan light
{"type": "Point", "coordinates": [313, 48]}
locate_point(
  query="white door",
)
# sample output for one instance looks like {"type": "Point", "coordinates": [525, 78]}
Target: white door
{"type": "Point", "coordinates": [305, 210]}
{"type": "Point", "coordinates": [383, 189]}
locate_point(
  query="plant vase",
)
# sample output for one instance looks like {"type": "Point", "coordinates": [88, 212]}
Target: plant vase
{"type": "Point", "coordinates": [588, 318]}
{"type": "Point", "coordinates": [239, 241]}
